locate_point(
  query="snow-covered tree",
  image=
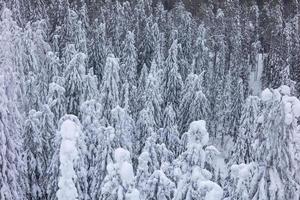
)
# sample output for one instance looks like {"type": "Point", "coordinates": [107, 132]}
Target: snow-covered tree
{"type": "Point", "coordinates": [98, 51]}
{"type": "Point", "coordinates": [10, 118]}
{"type": "Point", "coordinates": [68, 154]}
{"type": "Point", "coordinates": [194, 104]}
{"type": "Point", "coordinates": [240, 181]}
{"type": "Point", "coordinates": [129, 60]}
{"type": "Point", "coordinates": [66, 174]}
{"type": "Point", "coordinates": [152, 95]}
{"type": "Point", "coordinates": [193, 180]}
{"type": "Point", "coordinates": [159, 186]}
{"type": "Point", "coordinates": [143, 173]}
{"type": "Point", "coordinates": [90, 90]}
{"type": "Point", "coordinates": [144, 126]}
{"type": "Point", "coordinates": [120, 177]}
{"type": "Point", "coordinates": [74, 77]}
{"type": "Point", "coordinates": [124, 128]}
{"type": "Point", "coordinates": [34, 156]}
{"type": "Point", "coordinates": [169, 134]}
{"type": "Point", "coordinates": [103, 155]}
{"type": "Point", "coordinates": [243, 151]}
{"type": "Point", "coordinates": [110, 86]}
{"type": "Point", "coordinates": [56, 100]}
{"type": "Point", "coordinates": [274, 149]}
{"type": "Point", "coordinates": [172, 83]}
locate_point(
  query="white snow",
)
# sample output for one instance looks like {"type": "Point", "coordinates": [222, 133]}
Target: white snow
{"type": "Point", "coordinates": [121, 155]}
{"type": "Point", "coordinates": [215, 192]}
{"type": "Point", "coordinates": [69, 130]}
{"type": "Point", "coordinates": [198, 129]}
{"type": "Point", "coordinates": [126, 173]}
{"type": "Point", "coordinates": [266, 95]}
{"type": "Point", "coordinates": [284, 90]}
{"type": "Point", "coordinates": [242, 171]}
{"type": "Point", "coordinates": [133, 195]}
{"type": "Point", "coordinates": [291, 108]}
{"type": "Point", "coordinates": [296, 108]}
{"type": "Point", "coordinates": [122, 158]}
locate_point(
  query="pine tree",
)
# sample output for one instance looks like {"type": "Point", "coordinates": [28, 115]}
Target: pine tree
{"type": "Point", "coordinates": [172, 83]}
{"type": "Point", "coordinates": [194, 104]}
{"type": "Point", "coordinates": [11, 179]}
{"type": "Point", "coordinates": [243, 151]}
{"type": "Point", "coordinates": [240, 181]}
{"type": "Point", "coordinates": [128, 71]}
{"type": "Point", "coordinates": [169, 134]}
{"type": "Point", "coordinates": [74, 75]}
{"type": "Point", "coordinates": [276, 128]}
{"type": "Point", "coordinates": [98, 50]}
{"type": "Point", "coordinates": [152, 94]}
{"type": "Point", "coordinates": [38, 147]}
{"type": "Point", "coordinates": [66, 174]}
{"type": "Point", "coordinates": [143, 173]}
{"type": "Point", "coordinates": [90, 90]}
{"type": "Point", "coordinates": [102, 156]}
{"type": "Point", "coordinates": [35, 163]}
{"type": "Point", "coordinates": [90, 112]}
{"type": "Point", "coordinates": [124, 128]}
{"type": "Point", "coordinates": [159, 186]}
{"type": "Point", "coordinates": [67, 156]}
{"type": "Point", "coordinates": [110, 86]}
{"type": "Point", "coordinates": [57, 100]}
{"type": "Point", "coordinates": [193, 178]}
{"type": "Point", "coordinates": [120, 177]}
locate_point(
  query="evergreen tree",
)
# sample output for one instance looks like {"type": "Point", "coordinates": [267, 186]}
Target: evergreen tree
{"type": "Point", "coordinates": [57, 100]}
{"type": "Point", "coordinates": [74, 76]}
{"type": "Point", "coordinates": [124, 128]}
{"type": "Point", "coordinates": [159, 186]}
{"type": "Point", "coordinates": [243, 151]}
{"type": "Point", "coordinates": [193, 178]}
{"type": "Point", "coordinates": [98, 50]}
{"type": "Point", "coordinates": [169, 134]}
{"type": "Point", "coordinates": [35, 163]}
{"type": "Point", "coordinates": [12, 182]}
{"type": "Point", "coordinates": [120, 177]}
{"type": "Point", "coordinates": [172, 83]}
{"type": "Point", "coordinates": [110, 86]}
{"type": "Point", "coordinates": [276, 128]}
{"type": "Point", "coordinates": [194, 104]}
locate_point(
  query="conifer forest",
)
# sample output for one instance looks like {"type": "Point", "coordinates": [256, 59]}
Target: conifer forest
{"type": "Point", "coordinates": [149, 100]}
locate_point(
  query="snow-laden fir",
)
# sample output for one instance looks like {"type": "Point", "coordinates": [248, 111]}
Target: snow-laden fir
{"type": "Point", "coordinates": [142, 100]}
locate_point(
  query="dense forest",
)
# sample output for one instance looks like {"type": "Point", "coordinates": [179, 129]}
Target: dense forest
{"type": "Point", "coordinates": [149, 100]}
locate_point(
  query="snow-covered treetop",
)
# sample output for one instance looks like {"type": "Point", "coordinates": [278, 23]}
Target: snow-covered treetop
{"type": "Point", "coordinates": [198, 133]}
{"type": "Point", "coordinates": [121, 155]}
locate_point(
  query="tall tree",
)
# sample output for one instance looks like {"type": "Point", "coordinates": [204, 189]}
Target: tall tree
{"type": "Point", "coordinates": [172, 83]}
{"type": "Point", "coordinates": [109, 96]}
{"type": "Point", "coordinates": [11, 180]}
{"type": "Point", "coordinates": [275, 178]}
{"type": "Point", "coordinates": [74, 77]}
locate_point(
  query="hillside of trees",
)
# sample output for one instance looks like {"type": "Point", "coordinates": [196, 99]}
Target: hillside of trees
{"type": "Point", "coordinates": [149, 100]}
